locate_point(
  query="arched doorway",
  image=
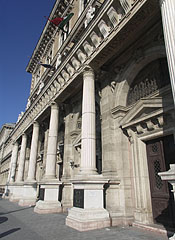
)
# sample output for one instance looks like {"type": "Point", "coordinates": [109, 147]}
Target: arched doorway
{"type": "Point", "coordinates": [149, 123]}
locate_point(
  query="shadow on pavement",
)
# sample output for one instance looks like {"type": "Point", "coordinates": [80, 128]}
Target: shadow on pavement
{"type": "Point", "coordinates": [9, 232]}
{"type": "Point", "coordinates": [16, 210]}
{"type": "Point", "coordinates": [3, 219]}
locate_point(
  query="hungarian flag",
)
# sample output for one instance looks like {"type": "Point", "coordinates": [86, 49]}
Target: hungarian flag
{"type": "Point", "coordinates": [55, 21]}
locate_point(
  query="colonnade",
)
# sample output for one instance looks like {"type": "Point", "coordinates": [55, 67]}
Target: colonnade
{"type": "Point", "coordinates": [88, 142]}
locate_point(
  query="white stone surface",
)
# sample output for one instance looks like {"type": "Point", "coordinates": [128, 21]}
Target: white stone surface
{"type": "Point", "coordinates": [52, 143]}
{"type": "Point", "coordinates": [29, 194]}
{"type": "Point", "coordinates": [88, 138]}
{"type": "Point", "coordinates": [20, 174]}
{"type": "Point", "coordinates": [93, 199]}
{"type": "Point", "coordinates": [51, 194]}
{"type": "Point", "coordinates": [33, 152]}
{"type": "Point", "coordinates": [17, 193]}
{"type": "Point", "coordinates": [168, 13]}
{"type": "Point", "coordinates": [14, 161]}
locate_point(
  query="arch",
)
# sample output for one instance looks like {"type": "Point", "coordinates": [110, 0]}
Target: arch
{"type": "Point", "coordinates": [131, 71]}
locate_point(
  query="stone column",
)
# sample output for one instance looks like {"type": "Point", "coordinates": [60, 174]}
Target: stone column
{"type": "Point", "coordinates": [33, 153]}
{"type": "Point", "coordinates": [168, 13]}
{"type": "Point", "coordinates": [22, 159]}
{"type": "Point", "coordinates": [52, 143]}
{"type": "Point", "coordinates": [88, 207]}
{"type": "Point", "coordinates": [88, 138]}
{"type": "Point", "coordinates": [13, 162]}
{"type": "Point", "coordinates": [67, 192]}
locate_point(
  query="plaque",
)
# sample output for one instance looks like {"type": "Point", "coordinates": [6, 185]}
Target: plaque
{"type": "Point", "coordinates": [78, 198]}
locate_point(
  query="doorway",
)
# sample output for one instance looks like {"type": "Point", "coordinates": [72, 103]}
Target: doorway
{"type": "Point", "coordinates": [160, 154]}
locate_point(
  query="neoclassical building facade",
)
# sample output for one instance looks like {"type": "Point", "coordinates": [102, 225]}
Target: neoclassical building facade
{"type": "Point", "coordinates": [99, 125]}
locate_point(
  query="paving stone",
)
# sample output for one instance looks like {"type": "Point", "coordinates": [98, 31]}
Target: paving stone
{"type": "Point", "coordinates": [22, 223]}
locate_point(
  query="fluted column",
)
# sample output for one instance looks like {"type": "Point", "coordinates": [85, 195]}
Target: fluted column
{"type": "Point", "coordinates": [33, 153]}
{"type": "Point", "coordinates": [88, 138]}
{"type": "Point", "coordinates": [168, 16]}
{"type": "Point", "coordinates": [13, 162]}
{"type": "Point", "coordinates": [52, 143]}
{"type": "Point", "coordinates": [22, 159]}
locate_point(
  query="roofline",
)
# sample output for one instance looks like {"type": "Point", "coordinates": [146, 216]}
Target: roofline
{"type": "Point", "coordinates": [42, 36]}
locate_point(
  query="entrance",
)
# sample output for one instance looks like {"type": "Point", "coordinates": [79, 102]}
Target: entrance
{"type": "Point", "coordinates": [160, 154]}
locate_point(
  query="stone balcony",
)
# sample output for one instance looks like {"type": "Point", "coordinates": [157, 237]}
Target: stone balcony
{"type": "Point", "coordinates": [103, 36]}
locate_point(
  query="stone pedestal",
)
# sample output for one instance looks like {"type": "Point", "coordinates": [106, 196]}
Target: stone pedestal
{"type": "Point", "coordinates": [67, 196]}
{"type": "Point", "coordinates": [50, 204]}
{"type": "Point", "coordinates": [29, 194]}
{"type": "Point", "coordinates": [17, 191]}
{"type": "Point", "coordinates": [88, 211]}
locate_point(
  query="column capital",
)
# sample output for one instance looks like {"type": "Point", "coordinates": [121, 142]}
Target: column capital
{"type": "Point", "coordinates": [161, 2]}
{"type": "Point", "coordinates": [88, 71]}
{"type": "Point", "coordinates": [24, 134]}
{"type": "Point", "coordinates": [54, 105]}
{"type": "Point", "coordinates": [15, 143]}
{"type": "Point", "coordinates": [35, 123]}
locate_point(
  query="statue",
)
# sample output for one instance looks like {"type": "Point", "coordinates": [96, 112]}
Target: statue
{"type": "Point", "coordinates": [20, 116]}
{"type": "Point", "coordinates": [89, 15]}
{"type": "Point", "coordinates": [40, 87]}
{"type": "Point", "coordinates": [28, 104]}
{"type": "Point", "coordinates": [58, 62]}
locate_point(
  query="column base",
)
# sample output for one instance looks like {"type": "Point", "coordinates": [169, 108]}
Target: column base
{"type": "Point", "coordinates": [50, 203]}
{"type": "Point", "coordinates": [88, 212]}
{"type": "Point", "coordinates": [87, 219]}
{"type": "Point", "coordinates": [29, 194]}
{"type": "Point", "coordinates": [117, 219]}
{"type": "Point", "coordinates": [67, 197]}
{"type": "Point", "coordinates": [17, 192]}
{"type": "Point", "coordinates": [44, 207]}
{"type": "Point", "coordinates": [8, 191]}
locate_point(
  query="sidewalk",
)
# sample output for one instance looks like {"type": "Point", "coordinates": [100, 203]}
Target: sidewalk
{"type": "Point", "coordinates": [21, 223]}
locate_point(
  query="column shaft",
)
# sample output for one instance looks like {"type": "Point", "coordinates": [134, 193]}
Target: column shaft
{"type": "Point", "coordinates": [88, 138]}
{"type": "Point", "coordinates": [22, 158]}
{"type": "Point", "coordinates": [168, 13]}
{"type": "Point", "coordinates": [52, 143]}
{"type": "Point", "coordinates": [33, 153]}
{"type": "Point", "coordinates": [13, 162]}
{"type": "Point", "coordinates": [67, 149]}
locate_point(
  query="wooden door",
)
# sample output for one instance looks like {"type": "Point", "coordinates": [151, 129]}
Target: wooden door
{"type": "Point", "coordinates": [162, 197]}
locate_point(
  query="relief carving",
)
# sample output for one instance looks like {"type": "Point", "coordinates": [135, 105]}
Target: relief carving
{"type": "Point", "coordinates": [151, 78]}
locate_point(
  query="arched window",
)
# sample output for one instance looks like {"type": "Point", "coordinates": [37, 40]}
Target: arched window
{"type": "Point", "coordinates": [151, 78]}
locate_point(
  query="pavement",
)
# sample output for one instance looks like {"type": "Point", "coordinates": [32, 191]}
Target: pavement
{"type": "Point", "coordinates": [22, 223]}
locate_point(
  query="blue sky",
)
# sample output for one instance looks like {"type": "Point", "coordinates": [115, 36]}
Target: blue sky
{"type": "Point", "coordinates": [21, 24]}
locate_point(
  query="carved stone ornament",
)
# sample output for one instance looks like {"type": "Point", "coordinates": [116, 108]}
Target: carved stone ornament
{"type": "Point", "coordinates": [153, 77]}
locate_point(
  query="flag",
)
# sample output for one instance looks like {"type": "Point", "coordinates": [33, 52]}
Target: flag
{"type": "Point", "coordinates": [45, 65]}
{"type": "Point", "coordinates": [55, 21]}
